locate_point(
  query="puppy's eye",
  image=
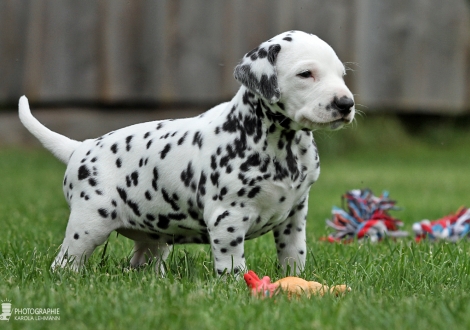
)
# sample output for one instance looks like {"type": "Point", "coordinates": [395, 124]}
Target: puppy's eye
{"type": "Point", "coordinates": [305, 74]}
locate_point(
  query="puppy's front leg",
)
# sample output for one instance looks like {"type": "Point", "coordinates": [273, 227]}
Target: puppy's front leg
{"type": "Point", "coordinates": [290, 239]}
{"type": "Point", "coordinates": [227, 242]}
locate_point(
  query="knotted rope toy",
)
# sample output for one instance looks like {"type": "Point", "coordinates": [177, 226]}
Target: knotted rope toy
{"type": "Point", "coordinates": [367, 217]}
{"type": "Point", "coordinates": [452, 227]}
{"type": "Point", "coordinates": [293, 286]}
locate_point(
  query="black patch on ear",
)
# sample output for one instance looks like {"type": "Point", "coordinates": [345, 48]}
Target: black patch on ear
{"type": "Point", "coordinates": [273, 52]}
{"type": "Point", "coordinates": [266, 86]}
{"type": "Point", "coordinates": [252, 52]}
{"type": "Point", "coordinates": [262, 53]}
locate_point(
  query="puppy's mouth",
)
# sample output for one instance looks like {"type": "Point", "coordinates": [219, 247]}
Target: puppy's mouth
{"type": "Point", "coordinates": [332, 125]}
{"type": "Point", "coordinates": [338, 123]}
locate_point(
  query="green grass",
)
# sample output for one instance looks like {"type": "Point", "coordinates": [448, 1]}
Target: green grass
{"type": "Point", "coordinates": [396, 285]}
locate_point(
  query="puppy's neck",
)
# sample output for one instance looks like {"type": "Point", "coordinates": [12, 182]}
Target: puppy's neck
{"type": "Point", "coordinates": [273, 117]}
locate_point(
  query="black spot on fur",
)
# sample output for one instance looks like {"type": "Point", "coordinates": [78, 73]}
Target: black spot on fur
{"type": "Point", "coordinates": [213, 162]}
{"type": "Point", "coordinates": [118, 162]}
{"type": "Point", "coordinates": [273, 52]}
{"type": "Point", "coordinates": [128, 142]}
{"type": "Point", "coordinates": [236, 241]}
{"type": "Point", "coordinates": [92, 182]}
{"type": "Point", "coordinates": [169, 200]}
{"type": "Point", "coordinates": [148, 196]}
{"type": "Point", "coordinates": [122, 193]}
{"type": "Point", "coordinates": [223, 191]}
{"type": "Point", "coordinates": [165, 150]}
{"type": "Point", "coordinates": [224, 161]}
{"type": "Point", "coordinates": [163, 222]}
{"type": "Point", "coordinates": [134, 207]}
{"type": "Point", "coordinates": [76, 236]}
{"type": "Point", "coordinates": [252, 160]}
{"type": "Point", "coordinates": [135, 178]}
{"type": "Point", "coordinates": [149, 143]}
{"type": "Point", "coordinates": [114, 148]}
{"type": "Point", "coordinates": [197, 139]}
{"type": "Point", "coordinates": [181, 140]}
{"type": "Point", "coordinates": [253, 192]}
{"type": "Point", "coordinates": [220, 217]}
{"type": "Point", "coordinates": [187, 175]}
{"type": "Point", "coordinates": [193, 214]}
{"type": "Point", "coordinates": [155, 179]}
{"type": "Point", "coordinates": [262, 53]}
{"type": "Point", "coordinates": [202, 184]}
{"type": "Point", "coordinates": [83, 172]}
{"type": "Point", "coordinates": [215, 178]}
{"type": "Point", "coordinates": [103, 212]}
{"type": "Point", "coordinates": [251, 124]}
{"type": "Point", "coordinates": [231, 123]}
{"type": "Point", "coordinates": [281, 172]}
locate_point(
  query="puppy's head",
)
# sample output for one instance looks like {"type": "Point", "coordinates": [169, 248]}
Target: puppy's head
{"type": "Point", "coordinates": [303, 73]}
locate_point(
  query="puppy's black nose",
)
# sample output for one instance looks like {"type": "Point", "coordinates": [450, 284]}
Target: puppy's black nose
{"type": "Point", "coordinates": [343, 105]}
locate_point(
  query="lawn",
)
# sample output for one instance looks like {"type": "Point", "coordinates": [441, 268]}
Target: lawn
{"type": "Point", "coordinates": [395, 284]}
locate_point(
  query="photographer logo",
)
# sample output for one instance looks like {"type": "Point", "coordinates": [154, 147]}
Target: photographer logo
{"type": "Point", "coordinates": [28, 314]}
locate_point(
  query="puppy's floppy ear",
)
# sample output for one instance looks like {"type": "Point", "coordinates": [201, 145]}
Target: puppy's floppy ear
{"type": "Point", "coordinates": [257, 71]}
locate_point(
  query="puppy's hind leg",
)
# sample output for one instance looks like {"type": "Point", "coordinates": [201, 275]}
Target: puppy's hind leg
{"type": "Point", "coordinates": [148, 251]}
{"type": "Point", "coordinates": [85, 231]}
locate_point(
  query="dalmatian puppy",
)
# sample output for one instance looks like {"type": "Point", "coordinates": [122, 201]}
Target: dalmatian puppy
{"type": "Point", "coordinates": [236, 172]}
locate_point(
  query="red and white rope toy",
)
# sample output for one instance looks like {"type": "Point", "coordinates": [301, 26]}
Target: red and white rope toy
{"type": "Point", "coordinates": [452, 227]}
{"type": "Point", "coordinates": [367, 218]}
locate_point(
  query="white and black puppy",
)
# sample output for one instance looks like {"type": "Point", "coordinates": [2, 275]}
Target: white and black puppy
{"type": "Point", "coordinates": [236, 172]}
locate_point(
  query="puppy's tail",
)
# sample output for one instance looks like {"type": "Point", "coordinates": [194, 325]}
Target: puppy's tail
{"type": "Point", "coordinates": [60, 146]}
